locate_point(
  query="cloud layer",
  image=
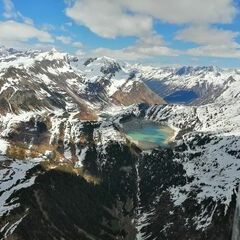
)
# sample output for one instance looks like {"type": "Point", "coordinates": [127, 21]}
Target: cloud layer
{"type": "Point", "coordinates": [114, 18]}
{"type": "Point", "coordinates": [185, 11]}
{"type": "Point", "coordinates": [108, 18]}
{"type": "Point", "coordinates": [204, 35]}
{"type": "Point", "coordinates": [151, 45]}
{"type": "Point", "coordinates": [111, 18]}
{"type": "Point", "coordinates": [194, 21]}
{"type": "Point", "coordinates": [12, 32]}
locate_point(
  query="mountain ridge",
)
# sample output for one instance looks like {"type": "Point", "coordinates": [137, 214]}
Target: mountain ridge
{"type": "Point", "coordinates": [45, 73]}
{"type": "Point", "coordinates": [64, 154]}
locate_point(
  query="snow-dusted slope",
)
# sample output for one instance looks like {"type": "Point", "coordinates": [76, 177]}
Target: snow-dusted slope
{"type": "Point", "coordinates": [105, 79]}
{"type": "Point", "coordinates": [57, 90]}
{"type": "Point", "coordinates": [207, 82]}
{"type": "Point", "coordinates": [94, 70]}
{"type": "Point", "coordinates": [49, 80]}
{"type": "Point", "coordinates": [40, 81]}
{"type": "Point", "coordinates": [207, 146]}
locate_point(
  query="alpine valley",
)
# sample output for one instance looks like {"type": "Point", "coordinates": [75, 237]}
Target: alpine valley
{"type": "Point", "coordinates": [69, 170]}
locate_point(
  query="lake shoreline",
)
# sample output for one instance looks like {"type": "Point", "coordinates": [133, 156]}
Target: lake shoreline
{"type": "Point", "coordinates": [171, 134]}
{"type": "Point", "coordinates": [148, 135]}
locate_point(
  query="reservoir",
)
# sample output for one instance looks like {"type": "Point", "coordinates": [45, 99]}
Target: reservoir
{"type": "Point", "coordinates": [181, 97]}
{"type": "Point", "coordinates": [147, 134]}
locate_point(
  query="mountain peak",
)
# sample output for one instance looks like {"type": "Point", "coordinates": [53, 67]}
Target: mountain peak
{"type": "Point", "coordinates": [54, 54]}
{"type": "Point", "coordinates": [105, 58]}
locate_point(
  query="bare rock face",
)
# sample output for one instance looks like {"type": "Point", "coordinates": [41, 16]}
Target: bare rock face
{"type": "Point", "coordinates": [139, 93]}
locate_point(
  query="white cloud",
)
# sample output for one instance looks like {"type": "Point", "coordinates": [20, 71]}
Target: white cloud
{"type": "Point", "coordinates": [38, 46]}
{"type": "Point", "coordinates": [77, 44]}
{"type": "Point", "coordinates": [47, 27]}
{"type": "Point", "coordinates": [33, 46]}
{"type": "Point", "coordinates": [152, 39]}
{"type": "Point", "coordinates": [213, 42]}
{"type": "Point", "coordinates": [223, 51]}
{"type": "Point", "coordinates": [120, 54]}
{"type": "Point", "coordinates": [205, 35]}
{"type": "Point", "coordinates": [9, 9]}
{"type": "Point", "coordinates": [134, 53]}
{"type": "Point", "coordinates": [68, 40]}
{"type": "Point", "coordinates": [11, 13]}
{"type": "Point", "coordinates": [65, 26]}
{"type": "Point", "coordinates": [185, 11]}
{"type": "Point", "coordinates": [12, 32]}
{"type": "Point", "coordinates": [112, 18]}
{"type": "Point", "coordinates": [64, 39]}
{"type": "Point", "coordinates": [108, 18]}
{"type": "Point", "coordinates": [148, 47]}
{"type": "Point", "coordinates": [69, 2]}
{"type": "Point", "coordinates": [19, 29]}
{"type": "Point", "coordinates": [25, 19]}
{"type": "Point", "coordinates": [80, 53]}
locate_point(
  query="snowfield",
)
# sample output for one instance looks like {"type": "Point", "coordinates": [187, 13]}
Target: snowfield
{"type": "Point", "coordinates": [14, 177]}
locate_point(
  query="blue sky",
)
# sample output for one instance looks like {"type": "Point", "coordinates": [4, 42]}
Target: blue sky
{"type": "Point", "coordinates": [159, 32]}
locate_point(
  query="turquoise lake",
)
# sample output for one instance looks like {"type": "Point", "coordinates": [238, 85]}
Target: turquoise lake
{"type": "Point", "coordinates": [146, 134]}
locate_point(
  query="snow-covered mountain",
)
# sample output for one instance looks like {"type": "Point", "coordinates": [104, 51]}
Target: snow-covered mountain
{"type": "Point", "coordinates": [204, 83]}
{"type": "Point", "coordinates": [68, 171]}
{"type": "Point", "coordinates": [49, 80]}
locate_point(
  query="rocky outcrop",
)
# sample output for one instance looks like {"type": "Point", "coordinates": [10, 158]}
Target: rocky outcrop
{"type": "Point", "coordinates": [139, 93]}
